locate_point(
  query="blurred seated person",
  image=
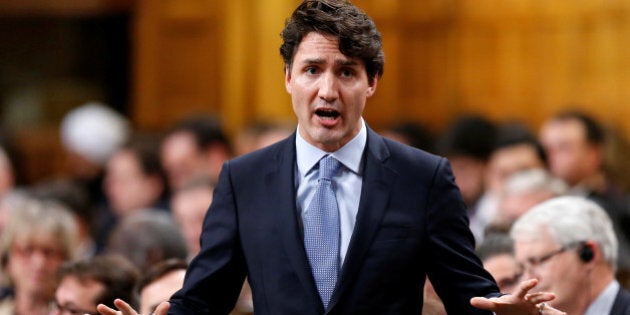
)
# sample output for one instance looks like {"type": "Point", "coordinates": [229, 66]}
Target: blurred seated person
{"type": "Point", "coordinates": [575, 144]}
{"type": "Point", "coordinates": [467, 143]}
{"type": "Point", "coordinates": [75, 197]}
{"type": "Point", "coordinates": [497, 255]}
{"type": "Point", "coordinates": [38, 238]}
{"type": "Point", "coordinates": [134, 180]}
{"type": "Point", "coordinates": [189, 205]}
{"type": "Point", "coordinates": [86, 283]}
{"type": "Point", "coordinates": [194, 147]}
{"type": "Point", "coordinates": [569, 245]}
{"type": "Point", "coordinates": [146, 238]}
{"type": "Point", "coordinates": [159, 283]}
{"type": "Point", "coordinates": [515, 149]}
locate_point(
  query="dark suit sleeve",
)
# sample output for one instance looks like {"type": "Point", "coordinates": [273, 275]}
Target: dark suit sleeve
{"type": "Point", "coordinates": [456, 273]}
{"type": "Point", "coordinates": [215, 277]}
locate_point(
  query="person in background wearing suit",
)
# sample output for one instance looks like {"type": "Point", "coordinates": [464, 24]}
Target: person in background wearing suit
{"type": "Point", "coordinates": [569, 245]}
{"type": "Point", "coordinates": [354, 233]}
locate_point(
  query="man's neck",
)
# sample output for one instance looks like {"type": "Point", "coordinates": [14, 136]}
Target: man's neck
{"type": "Point", "coordinates": [32, 304]}
{"type": "Point", "coordinates": [597, 281]}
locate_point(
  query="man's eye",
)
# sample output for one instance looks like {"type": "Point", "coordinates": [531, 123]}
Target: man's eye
{"type": "Point", "coordinates": [346, 73]}
{"type": "Point", "coordinates": [311, 70]}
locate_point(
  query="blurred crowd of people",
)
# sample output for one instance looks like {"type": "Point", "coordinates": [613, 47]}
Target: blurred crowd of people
{"type": "Point", "coordinates": [126, 218]}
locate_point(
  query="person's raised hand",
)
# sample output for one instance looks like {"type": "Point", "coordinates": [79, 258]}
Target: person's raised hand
{"type": "Point", "coordinates": [520, 302]}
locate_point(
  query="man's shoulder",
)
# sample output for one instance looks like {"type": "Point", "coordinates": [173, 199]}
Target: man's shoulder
{"type": "Point", "coordinates": [621, 305]}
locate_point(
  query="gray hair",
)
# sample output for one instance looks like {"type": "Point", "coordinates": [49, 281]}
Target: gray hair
{"type": "Point", "coordinates": [570, 220]}
{"type": "Point", "coordinates": [28, 217]}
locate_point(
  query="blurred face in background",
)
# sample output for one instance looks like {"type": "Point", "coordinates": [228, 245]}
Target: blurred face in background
{"type": "Point", "coordinates": [558, 270]}
{"type": "Point", "coordinates": [469, 174]}
{"type": "Point", "coordinates": [507, 161]}
{"type": "Point", "coordinates": [160, 290]}
{"type": "Point", "coordinates": [571, 157]}
{"type": "Point", "coordinates": [127, 186]}
{"type": "Point", "coordinates": [77, 296]}
{"type": "Point", "coordinates": [182, 159]}
{"type": "Point", "coordinates": [33, 263]}
{"type": "Point", "coordinates": [505, 270]}
{"type": "Point", "coordinates": [189, 207]}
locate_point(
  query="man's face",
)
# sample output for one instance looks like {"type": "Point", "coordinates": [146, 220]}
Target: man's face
{"type": "Point", "coordinates": [189, 208]}
{"type": "Point", "coordinates": [160, 290]}
{"type": "Point", "coordinates": [558, 271]}
{"type": "Point", "coordinates": [74, 296]}
{"type": "Point", "coordinates": [328, 91]}
{"type": "Point", "coordinates": [507, 161]}
{"type": "Point", "coordinates": [33, 262]}
{"type": "Point", "coordinates": [126, 185]}
{"type": "Point", "coordinates": [570, 156]}
{"type": "Point", "coordinates": [181, 158]}
{"type": "Point", "coordinates": [505, 270]}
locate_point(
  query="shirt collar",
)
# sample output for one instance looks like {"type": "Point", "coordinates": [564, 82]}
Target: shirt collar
{"type": "Point", "coordinates": [604, 302]}
{"type": "Point", "coordinates": [349, 155]}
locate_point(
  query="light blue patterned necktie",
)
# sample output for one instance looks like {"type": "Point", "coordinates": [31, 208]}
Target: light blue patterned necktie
{"type": "Point", "coordinates": [321, 230]}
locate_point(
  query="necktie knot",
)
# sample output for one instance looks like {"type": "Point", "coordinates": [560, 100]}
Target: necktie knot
{"type": "Point", "coordinates": [328, 167]}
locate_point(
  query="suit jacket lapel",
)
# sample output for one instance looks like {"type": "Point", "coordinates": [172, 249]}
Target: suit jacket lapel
{"type": "Point", "coordinates": [377, 183]}
{"type": "Point", "coordinates": [280, 182]}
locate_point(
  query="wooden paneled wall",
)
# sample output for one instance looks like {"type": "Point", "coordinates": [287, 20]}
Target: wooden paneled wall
{"type": "Point", "coordinates": [520, 60]}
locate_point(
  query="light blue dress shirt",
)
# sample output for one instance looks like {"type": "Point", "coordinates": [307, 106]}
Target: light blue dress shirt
{"type": "Point", "coordinates": [348, 181]}
{"type": "Point", "coordinates": [604, 302]}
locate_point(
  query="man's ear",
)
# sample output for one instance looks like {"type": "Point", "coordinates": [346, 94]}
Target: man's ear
{"type": "Point", "coordinates": [287, 78]}
{"type": "Point", "coordinates": [372, 86]}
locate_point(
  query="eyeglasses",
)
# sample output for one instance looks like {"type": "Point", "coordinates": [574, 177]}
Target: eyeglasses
{"type": "Point", "coordinates": [27, 251]}
{"type": "Point", "coordinates": [56, 308]}
{"type": "Point", "coordinates": [509, 281]}
{"type": "Point", "coordinates": [533, 262]}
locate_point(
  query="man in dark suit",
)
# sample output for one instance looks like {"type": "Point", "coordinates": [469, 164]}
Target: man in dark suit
{"type": "Point", "coordinates": [569, 244]}
{"type": "Point", "coordinates": [398, 216]}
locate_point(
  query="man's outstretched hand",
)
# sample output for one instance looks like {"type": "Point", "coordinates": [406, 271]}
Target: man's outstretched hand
{"type": "Point", "coordinates": [126, 309]}
{"type": "Point", "coordinates": [519, 303]}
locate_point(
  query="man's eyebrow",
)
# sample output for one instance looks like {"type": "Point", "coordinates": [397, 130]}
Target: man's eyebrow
{"type": "Point", "coordinates": [312, 61]}
{"type": "Point", "coordinates": [338, 62]}
{"type": "Point", "coordinates": [346, 62]}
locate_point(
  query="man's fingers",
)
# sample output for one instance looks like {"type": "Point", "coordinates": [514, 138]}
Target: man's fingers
{"type": "Point", "coordinates": [162, 309]}
{"type": "Point", "coordinates": [540, 297]}
{"type": "Point", "coordinates": [123, 308]}
{"type": "Point", "coordinates": [104, 310]}
{"type": "Point", "coordinates": [524, 287]}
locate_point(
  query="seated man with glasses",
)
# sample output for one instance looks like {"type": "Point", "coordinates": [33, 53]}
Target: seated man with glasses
{"type": "Point", "coordinates": [100, 280]}
{"type": "Point", "coordinates": [569, 245]}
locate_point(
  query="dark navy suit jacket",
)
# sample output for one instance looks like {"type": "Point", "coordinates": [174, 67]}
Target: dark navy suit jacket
{"type": "Point", "coordinates": [621, 306]}
{"type": "Point", "coordinates": [411, 223]}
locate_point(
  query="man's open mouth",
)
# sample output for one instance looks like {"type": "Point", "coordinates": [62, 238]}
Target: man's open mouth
{"type": "Point", "coordinates": [327, 113]}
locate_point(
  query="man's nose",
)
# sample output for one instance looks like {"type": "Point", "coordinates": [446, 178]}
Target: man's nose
{"type": "Point", "coordinates": [328, 89]}
{"type": "Point", "coordinates": [529, 273]}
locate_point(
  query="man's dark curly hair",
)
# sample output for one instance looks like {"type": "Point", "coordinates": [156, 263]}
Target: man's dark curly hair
{"type": "Point", "coordinates": [357, 33]}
